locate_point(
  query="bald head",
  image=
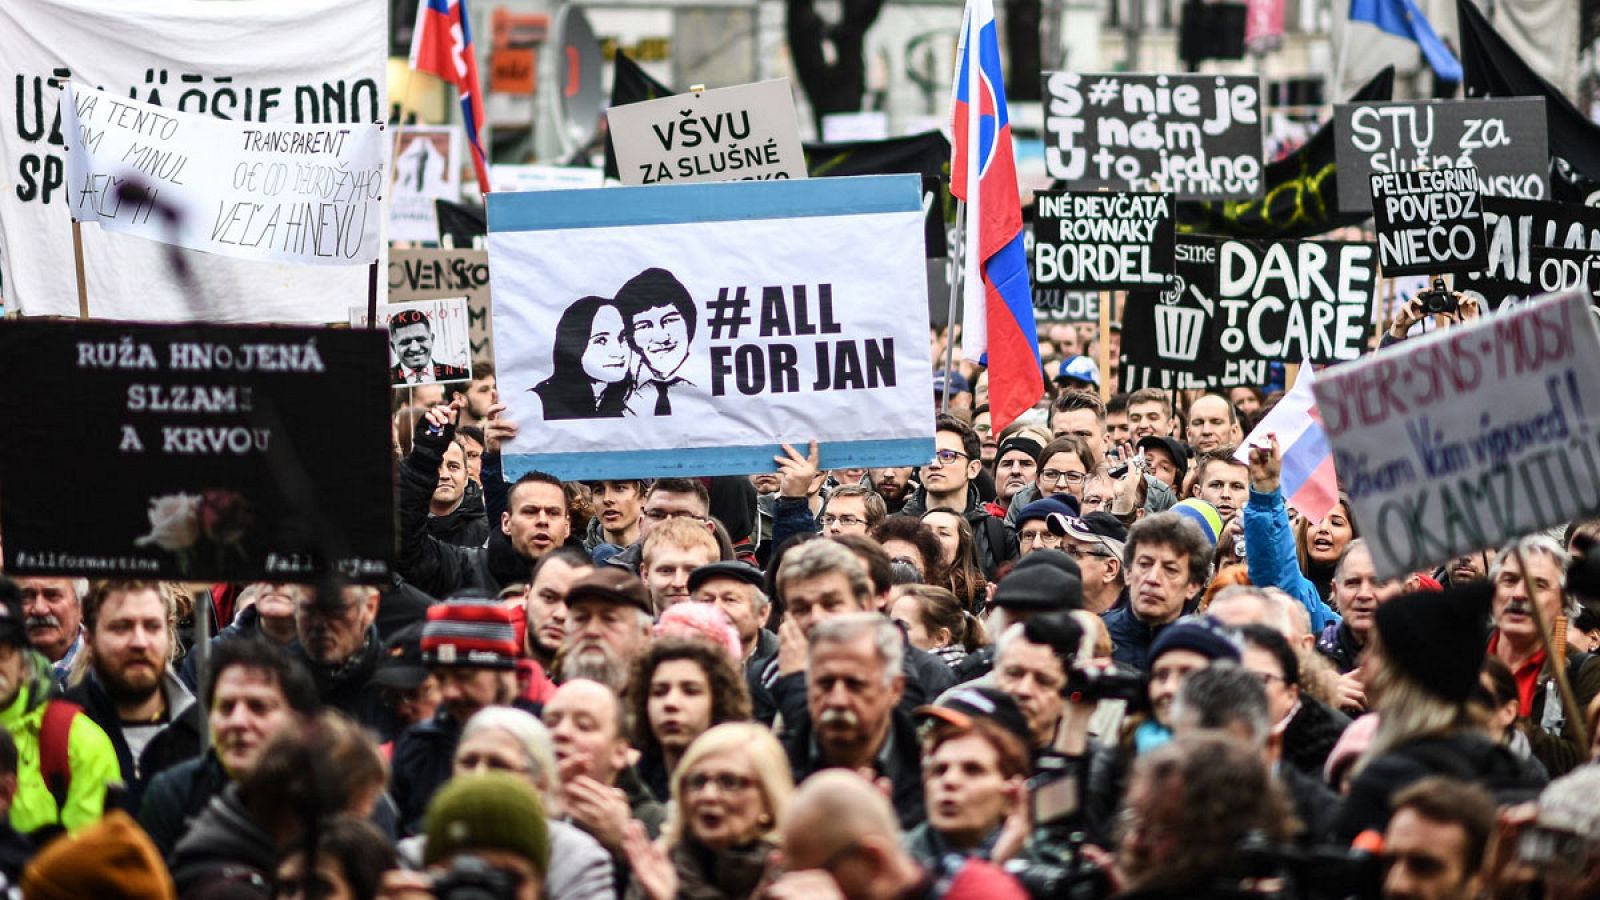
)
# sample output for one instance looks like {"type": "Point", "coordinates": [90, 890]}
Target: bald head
{"type": "Point", "coordinates": [841, 805]}
{"type": "Point", "coordinates": [589, 729]}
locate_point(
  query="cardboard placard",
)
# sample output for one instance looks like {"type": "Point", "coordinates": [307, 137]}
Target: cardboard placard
{"type": "Point", "coordinates": [1505, 140]}
{"type": "Point", "coordinates": [1429, 221]}
{"type": "Point", "coordinates": [1197, 136]}
{"type": "Point", "coordinates": [1514, 228]}
{"type": "Point", "coordinates": [204, 449]}
{"type": "Point", "coordinates": [293, 193]}
{"type": "Point", "coordinates": [1471, 436]}
{"type": "Point", "coordinates": [1103, 241]}
{"type": "Point", "coordinates": [726, 319]}
{"type": "Point", "coordinates": [428, 341]}
{"type": "Point", "coordinates": [427, 167]}
{"type": "Point", "coordinates": [425, 274]}
{"type": "Point", "coordinates": [743, 133]}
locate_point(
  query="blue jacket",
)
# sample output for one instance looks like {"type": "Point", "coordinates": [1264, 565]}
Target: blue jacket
{"type": "Point", "coordinates": [1270, 556]}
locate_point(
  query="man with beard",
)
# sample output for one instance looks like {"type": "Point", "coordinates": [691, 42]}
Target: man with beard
{"type": "Point", "coordinates": [481, 394]}
{"type": "Point", "coordinates": [25, 689]}
{"type": "Point", "coordinates": [54, 607]}
{"type": "Point", "coordinates": [608, 627]}
{"type": "Point", "coordinates": [660, 317]}
{"type": "Point", "coordinates": [535, 521]}
{"type": "Point", "coordinates": [854, 674]}
{"type": "Point", "coordinates": [470, 646]}
{"type": "Point", "coordinates": [152, 720]}
{"type": "Point", "coordinates": [338, 642]}
{"type": "Point", "coordinates": [893, 485]}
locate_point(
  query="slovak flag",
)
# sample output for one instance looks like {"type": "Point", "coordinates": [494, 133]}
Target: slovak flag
{"type": "Point", "coordinates": [442, 46]}
{"type": "Point", "coordinates": [997, 301]}
{"type": "Point", "coordinates": [1308, 480]}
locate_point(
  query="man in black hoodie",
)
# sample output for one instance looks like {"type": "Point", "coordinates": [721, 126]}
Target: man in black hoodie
{"type": "Point", "coordinates": [535, 521]}
{"type": "Point", "coordinates": [948, 481]}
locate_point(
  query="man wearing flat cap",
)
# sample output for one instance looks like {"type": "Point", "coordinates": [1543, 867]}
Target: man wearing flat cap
{"type": "Point", "coordinates": [608, 627]}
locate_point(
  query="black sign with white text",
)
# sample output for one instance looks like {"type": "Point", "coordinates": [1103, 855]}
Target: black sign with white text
{"type": "Point", "coordinates": [1103, 241]}
{"type": "Point", "coordinates": [1429, 221]}
{"type": "Point", "coordinates": [1515, 228]}
{"type": "Point", "coordinates": [196, 452]}
{"type": "Point", "coordinates": [1557, 269]}
{"type": "Point", "coordinates": [1505, 140]}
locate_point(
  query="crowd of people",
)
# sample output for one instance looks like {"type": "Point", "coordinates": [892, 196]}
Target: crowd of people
{"type": "Point", "coordinates": [1091, 654]}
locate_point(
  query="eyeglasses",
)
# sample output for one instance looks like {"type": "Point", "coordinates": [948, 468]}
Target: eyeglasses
{"type": "Point", "coordinates": [1040, 537]}
{"type": "Point", "coordinates": [1054, 475]}
{"type": "Point", "coordinates": [829, 519]}
{"type": "Point", "coordinates": [1267, 678]}
{"type": "Point", "coordinates": [946, 457]}
{"type": "Point", "coordinates": [726, 782]}
{"type": "Point", "coordinates": [661, 515]}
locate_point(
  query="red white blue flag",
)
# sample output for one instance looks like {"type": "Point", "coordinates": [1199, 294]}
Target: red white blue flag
{"type": "Point", "coordinates": [997, 316]}
{"type": "Point", "coordinates": [1308, 480]}
{"type": "Point", "coordinates": [442, 46]}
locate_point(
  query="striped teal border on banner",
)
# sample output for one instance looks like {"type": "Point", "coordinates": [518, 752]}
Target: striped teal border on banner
{"type": "Point", "coordinates": [692, 461]}
{"type": "Point", "coordinates": [723, 201]}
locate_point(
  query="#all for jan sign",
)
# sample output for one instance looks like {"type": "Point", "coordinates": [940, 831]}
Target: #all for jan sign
{"type": "Point", "coordinates": [691, 329]}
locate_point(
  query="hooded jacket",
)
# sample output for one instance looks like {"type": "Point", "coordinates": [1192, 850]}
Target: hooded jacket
{"type": "Point", "coordinates": [177, 741]}
{"type": "Point", "coordinates": [225, 844]}
{"type": "Point", "coordinates": [91, 758]}
{"type": "Point", "coordinates": [994, 541]}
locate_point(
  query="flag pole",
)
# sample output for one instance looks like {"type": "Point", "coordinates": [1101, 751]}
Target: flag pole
{"type": "Point", "coordinates": [959, 247]}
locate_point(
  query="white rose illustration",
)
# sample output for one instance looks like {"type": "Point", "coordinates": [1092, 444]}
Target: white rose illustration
{"type": "Point", "coordinates": [174, 522]}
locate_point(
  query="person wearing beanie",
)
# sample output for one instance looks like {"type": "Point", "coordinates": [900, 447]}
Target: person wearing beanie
{"type": "Point", "coordinates": [470, 645]}
{"type": "Point", "coordinates": [1420, 670]}
{"type": "Point", "coordinates": [1205, 515]}
{"type": "Point", "coordinates": [1016, 467]}
{"type": "Point", "coordinates": [1033, 522]}
{"type": "Point", "coordinates": [1186, 647]}
{"type": "Point", "coordinates": [111, 860]}
{"type": "Point", "coordinates": [496, 819]}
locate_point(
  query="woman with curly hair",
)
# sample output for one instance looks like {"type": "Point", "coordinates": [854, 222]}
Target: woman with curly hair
{"type": "Point", "coordinates": [908, 541]}
{"type": "Point", "coordinates": [681, 688]}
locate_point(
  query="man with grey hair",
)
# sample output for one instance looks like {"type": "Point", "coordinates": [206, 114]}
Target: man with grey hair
{"type": "Point", "coordinates": [1168, 562]}
{"type": "Point", "coordinates": [851, 718]}
{"type": "Point", "coordinates": [1516, 642]}
{"type": "Point", "coordinates": [608, 627]}
{"type": "Point", "coordinates": [54, 610]}
{"type": "Point", "coordinates": [735, 588]}
{"type": "Point", "coordinates": [1230, 699]}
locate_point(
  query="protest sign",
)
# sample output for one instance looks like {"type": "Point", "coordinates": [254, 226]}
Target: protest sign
{"type": "Point", "coordinates": [689, 329]}
{"type": "Point", "coordinates": [428, 341]}
{"type": "Point", "coordinates": [1429, 221]}
{"type": "Point", "coordinates": [544, 178]}
{"type": "Point", "coordinates": [1102, 241]}
{"type": "Point", "coordinates": [297, 193]}
{"type": "Point", "coordinates": [1169, 337]}
{"type": "Point", "coordinates": [1293, 301]}
{"type": "Point", "coordinates": [426, 274]}
{"type": "Point", "coordinates": [743, 133]}
{"type": "Point", "coordinates": [310, 62]}
{"type": "Point", "coordinates": [1503, 139]}
{"type": "Point", "coordinates": [1471, 436]}
{"type": "Point", "coordinates": [427, 167]}
{"type": "Point", "coordinates": [1057, 305]}
{"type": "Point", "coordinates": [192, 455]}
{"type": "Point", "coordinates": [1556, 269]}
{"type": "Point", "coordinates": [1515, 228]}
{"type": "Point", "coordinates": [1197, 136]}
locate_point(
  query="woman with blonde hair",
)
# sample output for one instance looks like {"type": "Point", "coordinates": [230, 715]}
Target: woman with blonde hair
{"type": "Point", "coordinates": [729, 793]}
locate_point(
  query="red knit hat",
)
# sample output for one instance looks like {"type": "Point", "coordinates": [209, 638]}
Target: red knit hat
{"type": "Point", "coordinates": [470, 632]}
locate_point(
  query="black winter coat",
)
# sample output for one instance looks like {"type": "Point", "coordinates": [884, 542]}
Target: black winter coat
{"type": "Point", "coordinates": [178, 742]}
{"type": "Point", "coordinates": [225, 845]}
{"type": "Point", "coordinates": [174, 798]}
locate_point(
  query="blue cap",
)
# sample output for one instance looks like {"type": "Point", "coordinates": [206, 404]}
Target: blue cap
{"type": "Point", "coordinates": [957, 381]}
{"type": "Point", "coordinates": [1079, 368]}
{"type": "Point", "coordinates": [1059, 504]}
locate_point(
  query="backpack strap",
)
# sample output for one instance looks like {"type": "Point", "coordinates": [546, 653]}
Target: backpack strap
{"type": "Point", "coordinates": [54, 764]}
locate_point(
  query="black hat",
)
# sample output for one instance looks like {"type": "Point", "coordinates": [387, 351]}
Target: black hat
{"type": "Point", "coordinates": [1199, 634]}
{"type": "Point", "coordinates": [1057, 630]}
{"type": "Point", "coordinates": [961, 705]}
{"type": "Point", "coordinates": [1021, 442]}
{"type": "Point", "coordinates": [12, 630]}
{"type": "Point", "coordinates": [1054, 559]}
{"type": "Point", "coordinates": [402, 666]}
{"type": "Point", "coordinates": [611, 584]}
{"type": "Point", "coordinates": [1039, 588]}
{"type": "Point", "coordinates": [1437, 637]}
{"type": "Point", "coordinates": [1174, 448]}
{"type": "Point", "coordinates": [734, 569]}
